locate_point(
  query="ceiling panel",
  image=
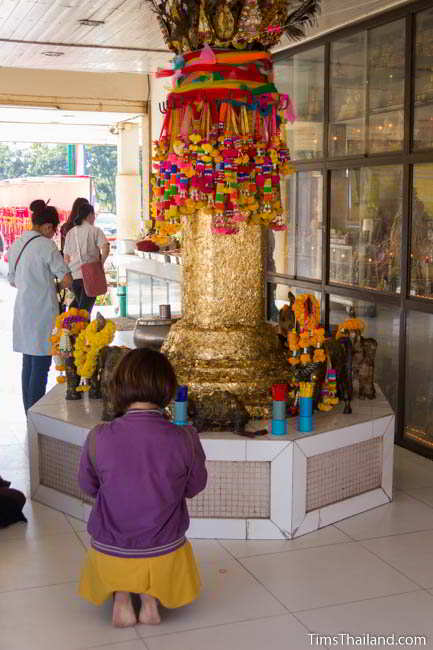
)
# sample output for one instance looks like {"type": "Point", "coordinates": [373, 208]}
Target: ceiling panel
{"type": "Point", "coordinates": [130, 29]}
{"type": "Point", "coordinates": [338, 13]}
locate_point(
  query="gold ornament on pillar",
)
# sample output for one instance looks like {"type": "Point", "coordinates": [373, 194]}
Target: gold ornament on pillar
{"type": "Point", "coordinates": [222, 342]}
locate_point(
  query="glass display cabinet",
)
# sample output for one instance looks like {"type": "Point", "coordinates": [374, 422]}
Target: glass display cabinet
{"type": "Point", "coordinates": [360, 203]}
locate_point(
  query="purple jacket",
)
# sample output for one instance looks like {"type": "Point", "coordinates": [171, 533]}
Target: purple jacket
{"type": "Point", "coordinates": [145, 467]}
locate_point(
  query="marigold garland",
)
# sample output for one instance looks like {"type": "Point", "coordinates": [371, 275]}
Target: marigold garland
{"type": "Point", "coordinates": [69, 323]}
{"type": "Point", "coordinates": [350, 325]}
{"type": "Point", "coordinates": [88, 345]}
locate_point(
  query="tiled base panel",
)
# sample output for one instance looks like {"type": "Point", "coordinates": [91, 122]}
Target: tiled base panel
{"type": "Point", "coordinates": [257, 489]}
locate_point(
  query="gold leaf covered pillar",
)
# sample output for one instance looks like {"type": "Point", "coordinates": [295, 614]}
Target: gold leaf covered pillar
{"type": "Point", "coordinates": [222, 342]}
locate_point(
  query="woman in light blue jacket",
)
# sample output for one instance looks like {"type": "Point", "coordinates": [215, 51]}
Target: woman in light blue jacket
{"type": "Point", "coordinates": [34, 263]}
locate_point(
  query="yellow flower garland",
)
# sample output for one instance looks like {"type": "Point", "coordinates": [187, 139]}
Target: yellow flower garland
{"type": "Point", "coordinates": [88, 345]}
{"type": "Point", "coordinates": [350, 325]}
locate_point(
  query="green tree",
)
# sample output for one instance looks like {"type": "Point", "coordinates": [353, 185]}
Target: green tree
{"type": "Point", "coordinates": [17, 161]}
{"type": "Point", "coordinates": [47, 159]}
{"type": "Point", "coordinates": [101, 163]}
{"type": "Point", "coordinates": [40, 159]}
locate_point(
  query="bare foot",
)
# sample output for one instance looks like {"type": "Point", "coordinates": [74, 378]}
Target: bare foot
{"type": "Point", "coordinates": [149, 610]}
{"type": "Point", "coordinates": [123, 612]}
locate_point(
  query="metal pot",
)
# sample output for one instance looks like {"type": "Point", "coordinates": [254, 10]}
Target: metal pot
{"type": "Point", "coordinates": [152, 332]}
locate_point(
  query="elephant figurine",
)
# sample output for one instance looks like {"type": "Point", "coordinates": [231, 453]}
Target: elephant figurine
{"type": "Point", "coordinates": [72, 379]}
{"type": "Point", "coordinates": [218, 411]}
{"type": "Point", "coordinates": [286, 320]}
{"type": "Point", "coordinates": [108, 359]}
{"type": "Point", "coordinates": [340, 353]}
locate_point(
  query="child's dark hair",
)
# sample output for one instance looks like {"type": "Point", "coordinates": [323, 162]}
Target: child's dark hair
{"type": "Point", "coordinates": [48, 215]}
{"type": "Point", "coordinates": [142, 375]}
{"type": "Point", "coordinates": [83, 212]}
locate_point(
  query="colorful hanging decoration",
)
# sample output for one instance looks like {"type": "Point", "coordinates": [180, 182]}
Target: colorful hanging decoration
{"type": "Point", "coordinates": [220, 148]}
{"type": "Point", "coordinates": [16, 220]}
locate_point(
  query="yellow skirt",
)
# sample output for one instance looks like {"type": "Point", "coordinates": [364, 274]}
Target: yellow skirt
{"type": "Point", "coordinates": [172, 578]}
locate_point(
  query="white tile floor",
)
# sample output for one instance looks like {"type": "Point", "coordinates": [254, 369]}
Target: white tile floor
{"type": "Point", "coordinates": [370, 573]}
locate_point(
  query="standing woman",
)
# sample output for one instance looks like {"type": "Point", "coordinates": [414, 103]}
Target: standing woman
{"type": "Point", "coordinates": [84, 243]}
{"type": "Point", "coordinates": [70, 223]}
{"type": "Point", "coordinates": [34, 264]}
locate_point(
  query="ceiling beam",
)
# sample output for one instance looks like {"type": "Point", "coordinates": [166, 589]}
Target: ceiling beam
{"type": "Point", "coordinates": [95, 47]}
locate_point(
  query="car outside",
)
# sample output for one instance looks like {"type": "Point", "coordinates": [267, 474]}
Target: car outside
{"type": "Point", "coordinates": [107, 222]}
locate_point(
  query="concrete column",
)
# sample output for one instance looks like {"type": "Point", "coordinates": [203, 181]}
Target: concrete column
{"type": "Point", "coordinates": [128, 189]}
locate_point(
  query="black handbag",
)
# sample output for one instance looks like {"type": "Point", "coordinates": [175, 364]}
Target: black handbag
{"type": "Point", "coordinates": [11, 506]}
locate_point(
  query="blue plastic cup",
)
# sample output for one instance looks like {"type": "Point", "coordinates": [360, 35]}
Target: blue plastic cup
{"type": "Point", "coordinates": [278, 410]}
{"type": "Point", "coordinates": [305, 424]}
{"type": "Point", "coordinates": [279, 427]}
{"type": "Point", "coordinates": [180, 413]}
{"type": "Point", "coordinates": [306, 406]}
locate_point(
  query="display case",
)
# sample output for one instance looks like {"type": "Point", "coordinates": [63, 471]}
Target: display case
{"type": "Point", "coordinates": [367, 91]}
{"type": "Point", "coordinates": [373, 203]}
{"type": "Point", "coordinates": [298, 250]}
{"type": "Point", "coordinates": [366, 209]}
{"type": "Point", "coordinates": [423, 97]}
{"type": "Point", "coordinates": [302, 78]}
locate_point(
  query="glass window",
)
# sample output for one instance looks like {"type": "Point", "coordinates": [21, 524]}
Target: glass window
{"type": "Point", "coordinates": [419, 379]}
{"type": "Point", "coordinates": [366, 209]}
{"type": "Point", "coordinates": [381, 323]}
{"type": "Point", "coordinates": [301, 77]}
{"type": "Point", "coordinates": [421, 272]}
{"type": "Point", "coordinates": [298, 250]}
{"type": "Point", "coordinates": [281, 243]}
{"type": "Point", "coordinates": [386, 87]}
{"type": "Point", "coordinates": [423, 122]}
{"type": "Point", "coordinates": [133, 304]}
{"type": "Point", "coordinates": [347, 96]}
{"type": "Point", "coordinates": [278, 296]}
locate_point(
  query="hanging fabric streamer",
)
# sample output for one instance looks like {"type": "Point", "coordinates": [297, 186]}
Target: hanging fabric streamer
{"type": "Point", "coordinates": [220, 148]}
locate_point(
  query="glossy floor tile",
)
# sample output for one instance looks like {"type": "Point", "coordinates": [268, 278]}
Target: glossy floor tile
{"type": "Point", "coordinates": [411, 554]}
{"type": "Point", "coordinates": [229, 594]}
{"type": "Point", "coordinates": [403, 515]}
{"type": "Point", "coordinates": [410, 613]}
{"type": "Point", "coordinates": [40, 561]}
{"type": "Point", "coordinates": [316, 577]}
{"type": "Point", "coordinates": [54, 618]}
{"type": "Point", "coordinates": [276, 633]}
{"type": "Point", "coordinates": [247, 548]}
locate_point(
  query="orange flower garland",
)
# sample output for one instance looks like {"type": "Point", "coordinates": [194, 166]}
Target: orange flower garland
{"type": "Point", "coordinates": [307, 320]}
{"type": "Point", "coordinates": [311, 335]}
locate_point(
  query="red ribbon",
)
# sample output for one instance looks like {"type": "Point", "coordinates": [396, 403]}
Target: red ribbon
{"type": "Point", "coordinates": [248, 73]}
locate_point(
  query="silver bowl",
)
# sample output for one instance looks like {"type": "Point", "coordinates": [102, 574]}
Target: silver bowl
{"type": "Point", "coordinates": [152, 332]}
